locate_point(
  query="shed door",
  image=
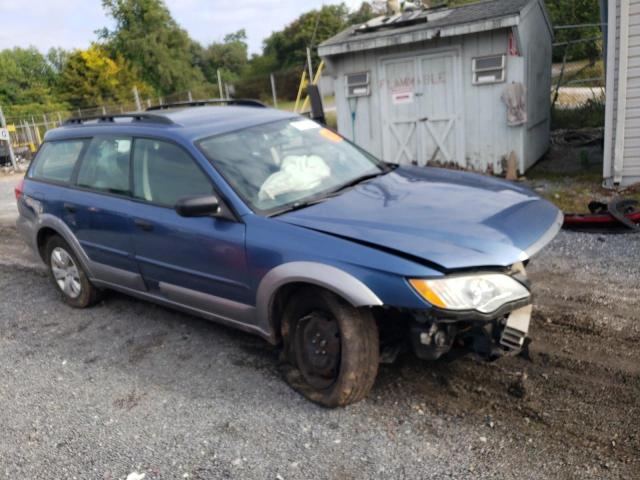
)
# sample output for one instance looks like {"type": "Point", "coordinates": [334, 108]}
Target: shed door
{"type": "Point", "coordinates": [422, 121]}
{"type": "Point", "coordinates": [400, 136]}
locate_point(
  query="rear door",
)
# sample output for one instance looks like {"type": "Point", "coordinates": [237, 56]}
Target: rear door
{"type": "Point", "coordinates": [98, 210]}
{"type": "Point", "coordinates": [199, 262]}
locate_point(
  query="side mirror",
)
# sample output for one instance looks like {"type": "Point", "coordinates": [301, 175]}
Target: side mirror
{"type": "Point", "coordinates": [203, 206]}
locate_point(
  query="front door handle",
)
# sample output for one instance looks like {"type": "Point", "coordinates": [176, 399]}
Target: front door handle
{"type": "Point", "coordinates": [70, 207]}
{"type": "Point", "coordinates": [143, 225]}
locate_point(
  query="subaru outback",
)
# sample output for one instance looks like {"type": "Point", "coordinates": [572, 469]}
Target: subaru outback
{"type": "Point", "coordinates": [271, 223]}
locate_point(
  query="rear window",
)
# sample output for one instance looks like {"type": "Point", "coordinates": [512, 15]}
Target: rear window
{"type": "Point", "coordinates": [105, 166]}
{"type": "Point", "coordinates": [56, 160]}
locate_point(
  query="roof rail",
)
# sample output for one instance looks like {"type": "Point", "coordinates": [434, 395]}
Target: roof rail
{"type": "Point", "coordinates": [244, 102]}
{"type": "Point", "coordinates": [137, 117]}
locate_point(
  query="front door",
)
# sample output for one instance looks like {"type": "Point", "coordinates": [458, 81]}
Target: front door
{"type": "Point", "coordinates": [199, 262]}
{"type": "Point", "coordinates": [423, 100]}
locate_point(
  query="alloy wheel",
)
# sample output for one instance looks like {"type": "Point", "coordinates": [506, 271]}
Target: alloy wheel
{"type": "Point", "coordinates": [65, 272]}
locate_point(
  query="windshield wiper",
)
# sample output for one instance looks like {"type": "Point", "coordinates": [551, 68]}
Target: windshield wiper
{"type": "Point", "coordinates": [356, 181]}
{"type": "Point", "coordinates": [331, 193]}
{"type": "Point", "coordinates": [299, 205]}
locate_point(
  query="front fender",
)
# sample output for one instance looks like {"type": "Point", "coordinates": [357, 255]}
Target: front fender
{"type": "Point", "coordinates": [326, 276]}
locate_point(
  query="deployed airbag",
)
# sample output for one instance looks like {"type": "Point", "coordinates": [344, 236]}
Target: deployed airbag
{"type": "Point", "coordinates": [297, 174]}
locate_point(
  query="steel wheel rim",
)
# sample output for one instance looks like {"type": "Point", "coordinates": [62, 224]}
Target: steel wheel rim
{"type": "Point", "coordinates": [65, 273]}
{"type": "Point", "coordinates": [318, 349]}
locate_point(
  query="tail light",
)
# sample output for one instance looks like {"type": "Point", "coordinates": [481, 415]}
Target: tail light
{"type": "Point", "coordinates": [19, 190]}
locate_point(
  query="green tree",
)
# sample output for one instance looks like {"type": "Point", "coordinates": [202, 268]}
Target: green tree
{"type": "Point", "coordinates": [57, 58]}
{"type": "Point", "coordinates": [364, 13]}
{"type": "Point", "coordinates": [147, 36]}
{"type": "Point", "coordinates": [26, 81]}
{"type": "Point", "coordinates": [576, 12]}
{"type": "Point", "coordinates": [288, 47]}
{"type": "Point", "coordinates": [230, 56]}
{"type": "Point", "coordinates": [91, 78]}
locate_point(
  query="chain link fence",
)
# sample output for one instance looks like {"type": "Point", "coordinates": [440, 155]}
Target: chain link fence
{"type": "Point", "coordinates": [578, 87]}
{"type": "Point", "coordinates": [26, 133]}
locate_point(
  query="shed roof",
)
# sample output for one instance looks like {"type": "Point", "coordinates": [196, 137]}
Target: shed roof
{"type": "Point", "coordinates": [410, 27]}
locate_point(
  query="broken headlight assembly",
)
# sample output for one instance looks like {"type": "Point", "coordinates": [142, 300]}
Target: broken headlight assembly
{"type": "Point", "coordinates": [484, 293]}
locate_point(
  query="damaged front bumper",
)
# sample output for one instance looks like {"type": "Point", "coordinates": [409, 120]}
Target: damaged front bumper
{"type": "Point", "coordinates": [487, 336]}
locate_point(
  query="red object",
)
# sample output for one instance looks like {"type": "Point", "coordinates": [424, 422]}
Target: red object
{"type": "Point", "coordinates": [513, 46]}
{"type": "Point", "coordinates": [19, 189]}
{"type": "Point", "coordinates": [577, 220]}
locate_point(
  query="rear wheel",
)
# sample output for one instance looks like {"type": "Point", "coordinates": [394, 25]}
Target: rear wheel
{"type": "Point", "coordinates": [67, 274]}
{"type": "Point", "coordinates": [331, 349]}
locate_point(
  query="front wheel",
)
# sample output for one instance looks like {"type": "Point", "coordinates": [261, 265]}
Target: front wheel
{"type": "Point", "coordinates": [331, 349]}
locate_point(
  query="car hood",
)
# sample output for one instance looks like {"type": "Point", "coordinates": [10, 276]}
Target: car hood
{"type": "Point", "coordinates": [446, 218]}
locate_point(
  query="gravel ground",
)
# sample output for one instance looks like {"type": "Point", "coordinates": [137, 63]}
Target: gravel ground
{"type": "Point", "coordinates": [131, 387]}
{"type": "Point", "coordinates": [7, 199]}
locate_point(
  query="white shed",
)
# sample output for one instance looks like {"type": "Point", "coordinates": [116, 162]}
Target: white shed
{"type": "Point", "coordinates": [622, 112]}
{"type": "Point", "coordinates": [432, 85]}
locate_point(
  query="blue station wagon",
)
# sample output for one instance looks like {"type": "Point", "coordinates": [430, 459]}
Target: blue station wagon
{"type": "Point", "coordinates": [271, 223]}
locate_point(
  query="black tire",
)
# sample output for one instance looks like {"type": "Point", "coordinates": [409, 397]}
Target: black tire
{"type": "Point", "coordinates": [333, 374]}
{"type": "Point", "coordinates": [82, 294]}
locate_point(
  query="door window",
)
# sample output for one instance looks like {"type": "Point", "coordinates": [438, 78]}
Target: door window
{"type": "Point", "coordinates": [56, 160]}
{"type": "Point", "coordinates": [105, 167]}
{"type": "Point", "coordinates": [163, 173]}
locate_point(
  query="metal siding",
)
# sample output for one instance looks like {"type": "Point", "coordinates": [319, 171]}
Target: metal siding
{"type": "Point", "coordinates": [631, 151]}
{"type": "Point", "coordinates": [631, 168]}
{"type": "Point", "coordinates": [537, 71]}
{"type": "Point", "coordinates": [488, 137]}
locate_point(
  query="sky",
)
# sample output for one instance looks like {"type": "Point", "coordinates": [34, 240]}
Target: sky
{"type": "Point", "coordinates": [72, 23]}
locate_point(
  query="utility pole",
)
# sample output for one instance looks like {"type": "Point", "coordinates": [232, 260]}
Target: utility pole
{"type": "Point", "coordinates": [310, 65]}
{"type": "Point", "coordinates": [136, 97]}
{"type": "Point", "coordinates": [220, 85]}
{"type": "Point", "coordinates": [36, 131]}
{"type": "Point", "coordinates": [27, 129]}
{"type": "Point", "coordinates": [273, 91]}
{"type": "Point", "coordinates": [3, 123]}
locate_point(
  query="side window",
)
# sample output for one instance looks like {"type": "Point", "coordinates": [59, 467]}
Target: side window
{"type": "Point", "coordinates": [163, 173]}
{"type": "Point", "coordinates": [105, 166]}
{"type": "Point", "coordinates": [56, 160]}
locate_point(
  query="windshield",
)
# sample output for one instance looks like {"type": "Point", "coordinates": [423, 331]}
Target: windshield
{"type": "Point", "coordinates": [287, 163]}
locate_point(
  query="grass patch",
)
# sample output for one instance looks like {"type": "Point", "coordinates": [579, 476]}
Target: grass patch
{"type": "Point", "coordinates": [573, 190]}
{"type": "Point", "coordinates": [574, 196]}
{"type": "Point", "coordinates": [589, 115]}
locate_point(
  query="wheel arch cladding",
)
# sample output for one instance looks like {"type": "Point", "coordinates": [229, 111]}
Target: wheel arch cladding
{"type": "Point", "coordinates": [283, 279]}
{"type": "Point", "coordinates": [50, 225]}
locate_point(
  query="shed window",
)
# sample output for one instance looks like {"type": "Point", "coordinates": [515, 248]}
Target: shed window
{"type": "Point", "coordinates": [489, 69]}
{"type": "Point", "coordinates": [358, 84]}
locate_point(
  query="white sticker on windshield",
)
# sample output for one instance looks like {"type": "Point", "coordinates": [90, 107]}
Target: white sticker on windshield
{"type": "Point", "coordinates": [303, 125]}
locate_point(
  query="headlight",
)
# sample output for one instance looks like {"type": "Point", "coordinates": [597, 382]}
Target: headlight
{"type": "Point", "coordinates": [484, 293]}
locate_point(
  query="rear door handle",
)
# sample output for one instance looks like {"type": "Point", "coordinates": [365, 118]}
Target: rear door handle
{"type": "Point", "coordinates": [70, 207]}
{"type": "Point", "coordinates": [143, 225]}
